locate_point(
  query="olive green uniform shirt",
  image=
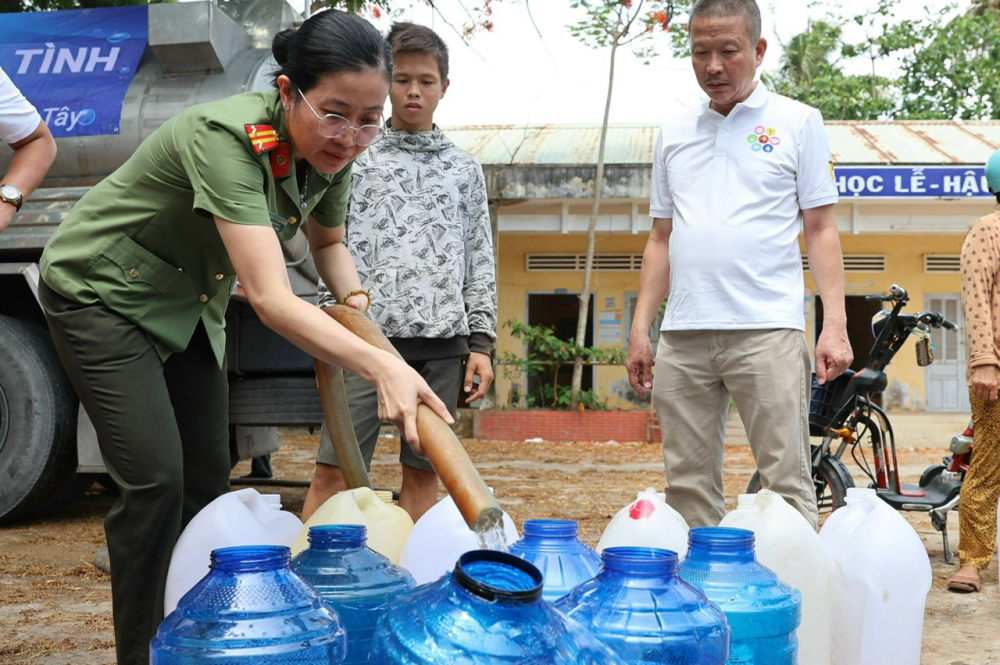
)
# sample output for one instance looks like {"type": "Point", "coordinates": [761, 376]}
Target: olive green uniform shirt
{"type": "Point", "coordinates": [143, 241]}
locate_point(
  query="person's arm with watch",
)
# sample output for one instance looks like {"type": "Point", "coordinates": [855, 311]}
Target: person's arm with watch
{"type": "Point", "coordinates": [33, 155]}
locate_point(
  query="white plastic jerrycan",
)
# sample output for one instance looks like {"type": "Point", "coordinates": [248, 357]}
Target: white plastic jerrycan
{"type": "Point", "coordinates": [885, 576]}
{"type": "Point", "coordinates": [647, 522]}
{"type": "Point", "coordinates": [843, 521]}
{"type": "Point", "coordinates": [238, 518]}
{"type": "Point", "coordinates": [835, 537]}
{"type": "Point", "coordinates": [388, 525]}
{"type": "Point", "coordinates": [439, 538]}
{"type": "Point", "coordinates": [786, 544]}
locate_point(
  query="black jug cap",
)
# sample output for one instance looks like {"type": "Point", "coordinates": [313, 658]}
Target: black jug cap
{"type": "Point", "coordinates": [489, 592]}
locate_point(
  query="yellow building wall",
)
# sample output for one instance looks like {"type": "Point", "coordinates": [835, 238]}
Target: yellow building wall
{"type": "Point", "coordinates": [904, 266]}
{"type": "Point", "coordinates": [514, 282]}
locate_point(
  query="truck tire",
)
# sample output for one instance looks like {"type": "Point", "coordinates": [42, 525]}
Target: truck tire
{"type": "Point", "coordinates": [37, 425]}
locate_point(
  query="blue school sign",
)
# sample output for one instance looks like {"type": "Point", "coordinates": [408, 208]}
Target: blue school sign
{"type": "Point", "coordinates": [910, 182]}
{"type": "Point", "coordinates": [75, 66]}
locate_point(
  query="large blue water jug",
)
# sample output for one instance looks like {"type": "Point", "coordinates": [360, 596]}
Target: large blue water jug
{"type": "Point", "coordinates": [763, 613]}
{"type": "Point", "coordinates": [489, 611]}
{"type": "Point", "coordinates": [553, 547]}
{"type": "Point", "coordinates": [640, 608]}
{"type": "Point", "coordinates": [250, 607]}
{"type": "Point", "coordinates": [354, 580]}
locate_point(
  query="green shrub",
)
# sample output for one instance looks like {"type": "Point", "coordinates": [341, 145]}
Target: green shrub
{"type": "Point", "coordinates": [546, 353]}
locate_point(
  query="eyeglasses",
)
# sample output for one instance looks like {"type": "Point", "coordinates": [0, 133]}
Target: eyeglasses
{"type": "Point", "coordinates": [332, 125]}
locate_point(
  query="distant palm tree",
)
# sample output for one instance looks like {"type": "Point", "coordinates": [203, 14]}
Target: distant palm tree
{"type": "Point", "coordinates": [807, 54]}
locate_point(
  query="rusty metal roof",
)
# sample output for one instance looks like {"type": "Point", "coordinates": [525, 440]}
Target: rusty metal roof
{"type": "Point", "coordinates": [497, 145]}
{"type": "Point", "coordinates": [910, 142]}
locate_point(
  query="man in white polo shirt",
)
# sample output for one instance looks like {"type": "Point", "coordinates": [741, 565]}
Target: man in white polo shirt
{"type": "Point", "coordinates": [733, 185]}
{"type": "Point", "coordinates": [34, 149]}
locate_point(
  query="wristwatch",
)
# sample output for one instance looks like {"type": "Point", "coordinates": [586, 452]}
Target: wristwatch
{"type": "Point", "coordinates": [11, 194]}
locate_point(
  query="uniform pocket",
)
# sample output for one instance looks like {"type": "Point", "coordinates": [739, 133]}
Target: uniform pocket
{"type": "Point", "coordinates": [128, 278]}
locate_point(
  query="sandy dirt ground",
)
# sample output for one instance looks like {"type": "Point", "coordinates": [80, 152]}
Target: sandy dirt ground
{"type": "Point", "coordinates": [55, 606]}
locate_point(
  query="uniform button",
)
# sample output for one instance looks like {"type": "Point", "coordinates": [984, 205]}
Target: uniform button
{"type": "Point", "coordinates": [133, 273]}
{"type": "Point", "coordinates": [203, 298]}
{"type": "Point", "coordinates": [292, 220]}
{"type": "Point", "coordinates": [219, 276]}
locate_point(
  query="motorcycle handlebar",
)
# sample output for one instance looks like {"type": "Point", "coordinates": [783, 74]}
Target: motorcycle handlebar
{"type": "Point", "coordinates": [896, 292]}
{"type": "Point", "coordinates": [937, 320]}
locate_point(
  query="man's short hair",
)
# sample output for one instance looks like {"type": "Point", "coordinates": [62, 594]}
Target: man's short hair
{"type": "Point", "coordinates": [412, 38]}
{"type": "Point", "coordinates": [748, 9]}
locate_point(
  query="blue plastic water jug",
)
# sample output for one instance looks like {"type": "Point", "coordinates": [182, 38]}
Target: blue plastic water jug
{"type": "Point", "coordinates": [763, 613]}
{"type": "Point", "coordinates": [250, 607]}
{"type": "Point", "coordinates": [553, 547]}
{"type": "Point", "coordinates": [640, 608]}
{"type": "Point", "coordinates": [353, 579]}
{"type": "Point", "coordinates": [489, 611]}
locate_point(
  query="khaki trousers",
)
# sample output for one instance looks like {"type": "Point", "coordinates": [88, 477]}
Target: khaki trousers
{"type": "Point", "coordinates": [767, 373]}
{"type": "Point", "coordinates": [443, 375]}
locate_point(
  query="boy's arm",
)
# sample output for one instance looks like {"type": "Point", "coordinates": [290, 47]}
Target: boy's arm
{"type": "Point", "coordinates": [479, 290]}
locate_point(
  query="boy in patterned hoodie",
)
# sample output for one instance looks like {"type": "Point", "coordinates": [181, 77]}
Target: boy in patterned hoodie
{"type": "Point", "coordinates": [419, 230]}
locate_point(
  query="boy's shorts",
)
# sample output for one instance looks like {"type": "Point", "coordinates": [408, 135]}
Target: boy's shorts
{"type": "Point", "coordinates": [444, 376]}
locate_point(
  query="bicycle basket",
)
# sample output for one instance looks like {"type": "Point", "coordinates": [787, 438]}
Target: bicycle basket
{"type": "Point", "coordinates": [825, 402]}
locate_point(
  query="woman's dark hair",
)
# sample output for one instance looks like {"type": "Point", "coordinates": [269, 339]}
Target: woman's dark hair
{"type": "Point", "coordinates": [328, 43]}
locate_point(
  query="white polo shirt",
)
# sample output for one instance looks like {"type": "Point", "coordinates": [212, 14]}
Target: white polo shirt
{"type": "Point", "coordinates": [18, 118]}
{"type": "Point", "coordinates": [735, 187]}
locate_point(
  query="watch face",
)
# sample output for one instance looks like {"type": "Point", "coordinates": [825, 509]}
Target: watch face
{"type": "Point", "coordinates": [10, 192]}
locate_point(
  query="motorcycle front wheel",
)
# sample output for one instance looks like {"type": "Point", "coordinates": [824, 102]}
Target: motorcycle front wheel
{"type": "Point", "coordinates": [831, 479]}
{"type": "Point", "coordinates": [929, 474]}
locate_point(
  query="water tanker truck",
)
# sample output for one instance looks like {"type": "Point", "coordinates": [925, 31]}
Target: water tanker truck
{"type": "Point", "coordinates": [194, 52]}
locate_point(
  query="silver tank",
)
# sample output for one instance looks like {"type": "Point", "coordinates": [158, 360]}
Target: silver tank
{"type": "Point", "coordinates": [197, 53]}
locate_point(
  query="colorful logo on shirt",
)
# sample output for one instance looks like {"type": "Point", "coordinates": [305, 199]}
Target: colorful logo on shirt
{"type": "Point", "coordinates": [764, 139]}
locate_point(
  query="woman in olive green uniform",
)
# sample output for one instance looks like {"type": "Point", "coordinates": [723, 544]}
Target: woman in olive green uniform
{"type": "Point", "coordinates": [137, 279]}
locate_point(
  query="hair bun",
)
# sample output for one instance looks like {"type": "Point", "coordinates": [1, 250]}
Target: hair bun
{"type": "Point", "coordinates": [280, 45]}
{"type": "Point", "coordinates": [329, 42]}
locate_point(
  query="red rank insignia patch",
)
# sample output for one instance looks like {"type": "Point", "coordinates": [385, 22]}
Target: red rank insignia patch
{"type": "Point", "coordinates": [281, 160]}
{"type": "Point", "coordinates": [262, 137]}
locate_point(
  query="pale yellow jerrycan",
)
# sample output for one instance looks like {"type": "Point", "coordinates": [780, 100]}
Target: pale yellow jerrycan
{"type": "Point", "coordinates": [388, 525]}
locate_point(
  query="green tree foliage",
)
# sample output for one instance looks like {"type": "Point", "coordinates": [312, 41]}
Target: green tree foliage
{"type": "Point", "coordinates": [936, 66]}
{"type": "Point", "coordinates": [954, 73]}
{"type": "Point", "coordinates": [811, 72]}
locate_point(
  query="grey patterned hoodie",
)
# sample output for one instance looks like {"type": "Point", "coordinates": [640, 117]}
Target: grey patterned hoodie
{"type": "Point", "coordinates": [418, 227]}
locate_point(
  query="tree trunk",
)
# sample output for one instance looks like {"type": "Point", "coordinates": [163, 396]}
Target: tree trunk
{"type": "Point", "coordinates": [581, 322]}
